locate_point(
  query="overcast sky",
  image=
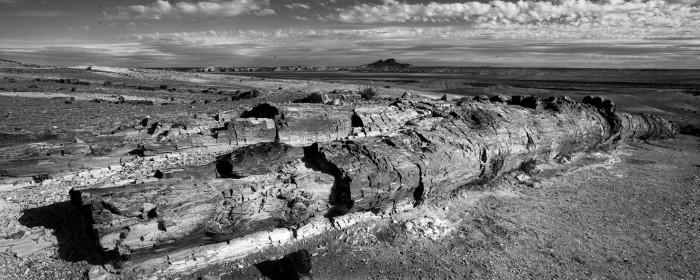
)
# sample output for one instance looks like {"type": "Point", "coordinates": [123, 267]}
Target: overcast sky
{"type": "Point", "coordinates": [529, 33]}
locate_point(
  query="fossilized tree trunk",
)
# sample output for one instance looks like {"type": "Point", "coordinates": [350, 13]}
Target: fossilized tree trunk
{"type": "Point", "coordinates": [415, 149]}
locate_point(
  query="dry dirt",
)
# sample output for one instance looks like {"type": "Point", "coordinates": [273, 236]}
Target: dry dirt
{"type": "Point", "coordinates": [629, 213]}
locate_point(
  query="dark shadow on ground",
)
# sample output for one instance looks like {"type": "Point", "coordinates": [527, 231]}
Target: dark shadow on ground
{"type": "Point", "coordinates": [274, 270]}
{"type": "Point", "coordinates": [294, 266]}
{"type": "Point", "coordinates": [75, 241]}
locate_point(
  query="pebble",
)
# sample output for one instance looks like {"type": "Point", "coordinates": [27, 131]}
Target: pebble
{"type": "Point", "coordinates": [522, 177]}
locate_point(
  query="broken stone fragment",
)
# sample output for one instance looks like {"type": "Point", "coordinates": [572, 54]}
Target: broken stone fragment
{"type": "Point", "coordinates": [315, 97]}
{"type": "Point", "coordinates": [258, 159]}
{"type": "Point", "coordinates": [500, 98]}
{"type": "Point", "coordinates": [481, 98]}
{"type": "Point", "coordinates": [247, 131]}
{"type": "Point", "coordinates": [607, 106]}
{"type": "Point", "coordinates": [97, 273]}
{"type": "Point", "coordinates": [532, 102]}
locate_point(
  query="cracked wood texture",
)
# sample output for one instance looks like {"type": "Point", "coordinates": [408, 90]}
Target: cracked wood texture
{"type": "Point", "coordinates": [418, 149]}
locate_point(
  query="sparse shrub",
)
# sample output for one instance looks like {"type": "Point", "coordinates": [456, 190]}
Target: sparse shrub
{"type": "Point", "coordinates": [529, 166]}
{"type": "Point", "coordinates": [367, 92]}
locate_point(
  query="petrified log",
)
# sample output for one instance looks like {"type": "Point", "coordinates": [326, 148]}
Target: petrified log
{"type": "Point", "coordinates": [420, 148]}
{"type": "Point", "coordinates": [304, 124]}
{"type": "Point", "coordinates": [142, 219]}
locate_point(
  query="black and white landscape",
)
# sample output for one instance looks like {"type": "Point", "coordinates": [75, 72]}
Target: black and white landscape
{"type": "Point", "coordinates": [257, 139]}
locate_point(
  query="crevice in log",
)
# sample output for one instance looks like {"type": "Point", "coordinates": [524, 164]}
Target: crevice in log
{"type": "Point", "coordinates": [140, 151]}
{"type": "Point", "coordinates": [418, 195]}
{"type": "Point", "coordinates": [152, 129]}
{"type": "Point", "coordinates": [356, 121]}
{"type": "Point", "coordinates": [224, 168]}
{"type": "Point", "coordinates": [153, 213]}
{"type": "Point", "coordinates": [340, 199]}
{"type": "Point", "coordinates": [158, 174]}
{"type": "Point", "coordinates": [110, 208]}
{"type": "Point", "coordinates": [530, 142]}
{"type": "Point", "coordinates": [264, 110]}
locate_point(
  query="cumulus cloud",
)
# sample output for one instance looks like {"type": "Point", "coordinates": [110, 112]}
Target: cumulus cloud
{"type": "Point", "coordinates": [213, 8]}
{"type": "Point", "coordinates": [498, 12]}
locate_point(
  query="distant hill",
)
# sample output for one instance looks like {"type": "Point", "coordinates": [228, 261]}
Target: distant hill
{"type": "Point", "coordinates": [4, 63]}
{"type": "Point", "coordinates": [389, 63]}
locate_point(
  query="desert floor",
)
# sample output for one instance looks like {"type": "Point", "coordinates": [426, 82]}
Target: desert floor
{"type": "Point", "coordinates": [628, 213]}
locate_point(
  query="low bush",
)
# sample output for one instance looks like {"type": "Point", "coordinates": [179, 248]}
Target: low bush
{"type": "Point", "coordinates": [367, 92]}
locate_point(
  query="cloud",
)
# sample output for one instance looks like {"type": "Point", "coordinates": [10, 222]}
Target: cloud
{"type": "Point", "coordinates": [295, 6]}
{"type": "Point", "coordinates": [9, 2]}
{"type": "Point", "coordinates": [498, 12]}
{"type": "Point", "coordinates": [71, 54]}
{"type": "Point", "coordinates": [522, 46]}
{"type": "Point", "coordinates": [425, 46]}
{"type": "Point", "coordinates": [213, 8]}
